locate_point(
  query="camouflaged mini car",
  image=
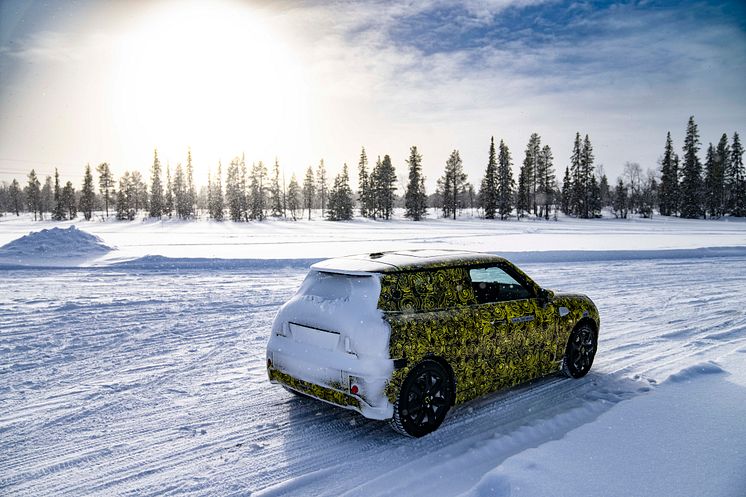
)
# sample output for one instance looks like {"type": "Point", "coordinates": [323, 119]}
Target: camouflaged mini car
{"type": "Point", "coordinates": [406, 335]}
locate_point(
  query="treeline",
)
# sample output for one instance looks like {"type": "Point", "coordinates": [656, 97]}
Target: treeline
{"type": "Point", "coordinates": [677, 187]}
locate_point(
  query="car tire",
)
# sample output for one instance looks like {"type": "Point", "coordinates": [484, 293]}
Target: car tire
{"type": "Point", "coordinates": [580, 351]}
{"type": "Point", "coordinates": [424, 399]}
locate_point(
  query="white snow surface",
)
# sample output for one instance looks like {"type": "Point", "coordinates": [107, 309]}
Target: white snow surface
{"type": "Point", "coordinates": [145, 374]}
{"type": "Point", "coordinates": [55, 246]}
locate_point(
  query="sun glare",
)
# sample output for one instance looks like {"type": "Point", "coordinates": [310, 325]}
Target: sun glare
{"type": "Point", "coordinates": [212, 76]}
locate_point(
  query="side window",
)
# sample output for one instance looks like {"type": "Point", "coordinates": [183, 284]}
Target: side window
{"type": "Point", "coordinates": [492, 284]}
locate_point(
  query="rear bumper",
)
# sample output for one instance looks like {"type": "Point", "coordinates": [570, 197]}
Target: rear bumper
{"type": "Point", "coordinates": [328, 375]}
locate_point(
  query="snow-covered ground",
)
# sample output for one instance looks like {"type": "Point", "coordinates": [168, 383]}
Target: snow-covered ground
{"type": "Point", "coordinates": [148, 377]}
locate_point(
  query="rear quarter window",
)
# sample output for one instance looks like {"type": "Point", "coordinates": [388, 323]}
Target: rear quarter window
{"type": "Point", "coordinates": [425, 290]}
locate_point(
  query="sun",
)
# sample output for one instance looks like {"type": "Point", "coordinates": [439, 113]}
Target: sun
{"type": "Point", "coordinates": [210, 75]}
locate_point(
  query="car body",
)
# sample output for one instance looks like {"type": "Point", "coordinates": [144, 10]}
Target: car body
{"type": "Point", "coordinates": [376, 332]}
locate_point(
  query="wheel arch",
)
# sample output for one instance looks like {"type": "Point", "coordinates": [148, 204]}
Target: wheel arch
{"type": "Point", "coordinates": [444, 363]}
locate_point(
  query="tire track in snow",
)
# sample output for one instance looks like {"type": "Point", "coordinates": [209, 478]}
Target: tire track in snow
{"type": "Point", "coordinates": [137, 382]}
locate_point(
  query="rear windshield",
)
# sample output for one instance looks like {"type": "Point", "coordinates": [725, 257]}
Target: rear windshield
{"type": "Point", "coordinates": [335, 286]}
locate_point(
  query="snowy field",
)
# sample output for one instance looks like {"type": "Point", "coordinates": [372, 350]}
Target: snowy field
{"type": "Point", "coordinates": [148, 378]}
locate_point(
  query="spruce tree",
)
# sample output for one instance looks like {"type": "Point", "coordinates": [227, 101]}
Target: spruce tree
{"type": "Point", "coordinates": [190, 193]}
{"type": "Point", "coordinates": [218, 206]}
{"type": "Point", "coordinates": [712, 178]}
{"type": "Point", "coordinates": [275, 192]}
{"type": "Point", "coordinates": [590, 205]}
{"type": "Point", "coordinates": [415, 198]}
{"type": "Point", "coordinates": [125, 198]}
{"type": "Point", "coordinates": [604, 191]}
{"type": "Point", "coordinates": [566, 192]}
{"type": "Point", "coordinates": [669, 185]}
{"type": "Point", "coordinates": [545, 181]}
{"type": "Point", "coordinates": [452, 184]}
{"type": "Point", "coordinates": [309, 190]}
{"type": "Point", "coordinates": [15, 193]}
{"type": "Point", "coordinates": [295, 204]}
{"type": "Point", "coordinates": [105, 184]}
{"type": "Point", "coordinates": [33, 194]}
{"type": "Point", "coordinates": [139, 192]}
{"type": "Point", "coordinates": [385, 187]}
{"type": "Point", "coordinates": [620, 202]}
{"type": "Point", "coordinates": [736, 179]}
{"type": "Point", "coordinates": [322, 186]}
{"type": "Point", "coordinates": [258, 191]}
{"type": "Point", "coordinates": [340, 198]}
{"type": "Point", "coordinates": [68, 200]}
{"type": "Point", "coordinates": [523, 195]}
{"type": "Point", "coordinates": [87, 196]}
{"type": "Point", "coordinates": [233, 194]}
{"type": "Point", "coordinates": [58, 213]}
{"type": "Point", "coordinates": [574, 202]}
{"type": "Point", "coordinates": [168, 201]}
{"type": "Point", "coordinates": [244, 189]}
{"type": "Point", "coordinates": [529, 171]}
{"type": "Point", "coordinates": [180, 192]}
{"type": "Point", "coordinates": [488, 189]}
{"type": "Point", "coordinates": [691, 180]}
{"type": "Point", "coordinates": [363, 185]}
{"type": "Point", "coordinates": [156, 188]}
{"type": "Point", "coordinates": [722, 161]}
{"type": "Point", "coordinates": [47, 196]}
{"type": "Point", "coordinates": [505, 183]}
{"type": "Point", "coordinates": [374, 187]}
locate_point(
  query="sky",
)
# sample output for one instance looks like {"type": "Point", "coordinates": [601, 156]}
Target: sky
{"type": "Point", "coordinates": [84, 82]}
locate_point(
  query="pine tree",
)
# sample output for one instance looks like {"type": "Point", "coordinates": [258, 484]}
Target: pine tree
{"type": "Point", "coordinates": [125, 198]}
{"type": "Point", "coordinates": [218, 206]}
{"type": "Point", "coordinates": [605, 191]}
{"type": "Point", "coordinates": [139, 192]}
{"type": "Point", "coordinates": [590, 205]}
{"type": "Point", "coordinates": [58, 213]}
{"type": "Point", "coordinates": [33, 194]}
{"type": "Point", "coordinates": [258, 191]}
{"type": "Point", "coordinates": [669, 185]}
{"type": "Point", "coordinates": [322, 182]}
{"type": "Point", "coordinates": [736, 179]}
{"type": "Point", "coordinates": [168, 201]}
{"type": "Point", "coordinates": [505, 183]}
{"type": "Point", "coordinates": [545, 181]}
{"type": "Point", "coordinates": [15, 193]}
{"type": "Point", "coordinates": [722, 161]}
{"type": "Point", "coordinates": [180, 192]}
{"type": "Point", "coordinates": [529, 171]}
{"type": "Point", "coordinates": [87, 196]}
{"type": "Point", "coordinates": [309, 190]}
{"type": "Point", "coordinates": [452, 184]}
{"type": "Point", "coordinates": [374, 187]}
{"type": "Point", "coordinates": [523, 195]}
{"type": "Point", "coordinates": [68, 200]}
{"type": "Point", "coordinates": [363, 185]}
{"type": "Point", "coordinates": [488, 189]}
{"type": "Point", "coordinates": [156, 188]}
{"type": "Point", "coordinates": [574, 202]}
{"type": "Point", "coordinates": [713, 182]}
{"type": "Point", "coordinates": [385, 187]}
{"type": "Point", "coordinates": [190, 193]}
{"type": "Point", "coordinates": [620, 204]}
{"type": "Point", "coordinates": [415, 198]}
{"type": "Point", "coordinates": [105, 184]}
{"type": "Point", "coordinates": [275, 192]}
{"type": "Point", "coordinates": [233, 194]}
{"type": "Point", "coordinates": [295, 204]}
{"type": "Point", "coordinates": [47, 196]}
{"type": "Point", "coordinates": [566, 192]}
{"type": "Point", "coordinates": [340, 198]}
{"type": "Point", "coordinates": [691, 181]}
{"type": "Point", "coordinates": [243, 186]}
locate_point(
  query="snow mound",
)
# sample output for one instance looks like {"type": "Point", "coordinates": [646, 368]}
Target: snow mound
{"type": "Point", "coordinates": [53, 244]}
{"type": "Point", "coordinates": [693, 372]}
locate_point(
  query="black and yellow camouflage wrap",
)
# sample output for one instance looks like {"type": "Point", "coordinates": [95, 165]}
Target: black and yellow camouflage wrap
{"type": "Point", "coordinates": [322, 393]}
{"type": "Point", "coordinates": [433, 312]}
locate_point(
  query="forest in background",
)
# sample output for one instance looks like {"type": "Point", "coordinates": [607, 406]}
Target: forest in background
{"type": "Point", "coordinates": [682, 186]}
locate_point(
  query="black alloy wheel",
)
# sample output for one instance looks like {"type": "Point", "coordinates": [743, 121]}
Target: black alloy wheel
{"type": "Point", "coordinates": [581, 349]}
{"type": "Point", "coordinates": [424, 399]}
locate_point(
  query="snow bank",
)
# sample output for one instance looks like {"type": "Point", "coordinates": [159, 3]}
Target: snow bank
{"type": "Point", "coordinates": [51, 246]}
